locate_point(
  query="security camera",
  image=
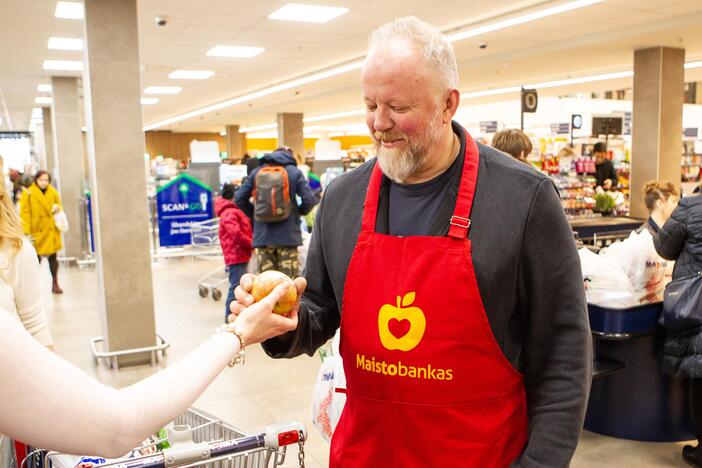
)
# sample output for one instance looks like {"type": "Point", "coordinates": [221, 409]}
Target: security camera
{"type": "Point", "coordinates": [482, 45]}
{"type": "Point", "coordinates": [161, 20]}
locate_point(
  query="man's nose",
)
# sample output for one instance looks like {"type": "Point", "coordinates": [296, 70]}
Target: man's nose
{"type": "Point", "coordinates": [383, 122]}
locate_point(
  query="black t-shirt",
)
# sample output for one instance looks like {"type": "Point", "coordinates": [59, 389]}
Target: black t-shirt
{"type": "Point", "coordinates": [606, 171]}
{"type": "Point", "coordinates": [414, 208]}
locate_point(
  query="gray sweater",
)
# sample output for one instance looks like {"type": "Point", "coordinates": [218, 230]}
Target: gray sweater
{"type": "Point", "coordinates": [528, 274]}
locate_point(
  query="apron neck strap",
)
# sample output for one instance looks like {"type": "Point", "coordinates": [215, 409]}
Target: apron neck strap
{"type": "Point", "coordinates": [460, 221]}
{"type": "Point", "coordinates": [370, 206]}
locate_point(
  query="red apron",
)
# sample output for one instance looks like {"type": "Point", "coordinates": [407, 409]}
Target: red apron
{"type": "Point", "coordinates": [427, 384]}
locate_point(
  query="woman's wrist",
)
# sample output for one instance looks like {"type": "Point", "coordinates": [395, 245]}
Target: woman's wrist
{"type": "Point", "coordinates": [240, 356]}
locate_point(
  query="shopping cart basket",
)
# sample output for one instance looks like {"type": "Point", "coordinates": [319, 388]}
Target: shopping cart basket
{"type": "Point", "coordinates": [211, 283]}
{"type": "Point", "coordinates": [198, 439]}
{"type": "Point", "coordinates": [204, 236]}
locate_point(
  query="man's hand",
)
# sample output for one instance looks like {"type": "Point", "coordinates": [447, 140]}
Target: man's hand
{"type": "Point", "coordinates": [274, 325]}
{"type": "Point", "coordinates": [607, 184]}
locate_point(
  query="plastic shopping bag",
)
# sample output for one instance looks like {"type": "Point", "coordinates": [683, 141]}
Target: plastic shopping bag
{"type": "Point", "coordinates": [61, 221]}
{"type": "Point", "coordinates": [606, 285]}
{"type": "Point", "coordinates": [646, 270]}
{"type": "Point", "coordinates": [327, 402]}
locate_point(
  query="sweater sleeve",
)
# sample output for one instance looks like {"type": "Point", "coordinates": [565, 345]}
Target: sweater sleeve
{"type": "Point", "coordinates": [558, 347]}
{"type": "Point", "coordinates": [670, 239]}
{"type": "Point", "coordinates": [319, 316]}
{"type": "Point", "coordinates": [243, 195]}
{"type": "Point", "coordinates": [28, 294]}
{"type": "Point", "coordinates": [49, 403]}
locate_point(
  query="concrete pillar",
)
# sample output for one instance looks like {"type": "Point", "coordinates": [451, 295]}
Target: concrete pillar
{"type": "Point", "coordinates": [66, 122]}
{"type": "Point", "coordinates": [235, 142]}
{"type": "Point", "coordinates": [657, 120]}
{"type": "Point", "coordinates": [290, 133]}
{"type": "Point", "coordinates": [116, 143]}
{"type": "Point", "coordinates": [48, 153]}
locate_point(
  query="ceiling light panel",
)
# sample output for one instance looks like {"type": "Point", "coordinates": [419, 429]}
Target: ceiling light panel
{"type": "Point", "coordinates": [42, 100]}
{"type": "Point", "coordinates": [64, 65]}
{"type": "Point", "coordinates": [69, 10]}
{"type": "Point", "coordinates": [44, 88]}
{"type": "Point", "coordinates": [307, 13]}
{"type": "Point", "coordinates": [65, 43]}
{"type": "Point", "coordinates": [163, 90]}
{"type": "Point", "coordinates": [147, 101]}
{"type": "Point", "coordinates": [190, 74]}
{"type": "Point", "coordinates": [234, 51]}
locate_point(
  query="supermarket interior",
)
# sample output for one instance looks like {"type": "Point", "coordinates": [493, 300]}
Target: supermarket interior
{"type": "Point", "coordinates": [154, 152]}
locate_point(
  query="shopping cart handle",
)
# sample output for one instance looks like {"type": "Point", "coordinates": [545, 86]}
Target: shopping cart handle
{"type": "Point", "coordinates": [280, 435]}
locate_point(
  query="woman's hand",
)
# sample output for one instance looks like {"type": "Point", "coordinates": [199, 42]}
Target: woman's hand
{"type": "Point", "coordinates": [257, 322]}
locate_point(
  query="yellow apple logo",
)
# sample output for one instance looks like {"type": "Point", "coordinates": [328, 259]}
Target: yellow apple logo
{"type": "Point", "coordinates": [401, 327]}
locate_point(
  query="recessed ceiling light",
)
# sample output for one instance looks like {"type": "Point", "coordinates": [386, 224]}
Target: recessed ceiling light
{"type": "Point", "coordinates": [42, 100]}
{"type": "Point", "coordinates": [163, 90]}
{"type": "Point", "coordinates": [37, 110]}
{"type": "Point", "coordinates": [149, 100]}
{"type": "Point", "coordinates": [307, 13]}
{"type": "Point", "coordinates": [65, 43]}
{"type": "Point", "coordinates": [66, 65]}
{"type": "Point", "coordinates": [190, 74]}
{"type": "Point", "coordinates": [44, 88]}
{"type": "Point", "coordinates": [234, 51]}
{"type": "Point", "coordinates": [690, 65]}
{"type": "Point", "coordinates": [69, 10]}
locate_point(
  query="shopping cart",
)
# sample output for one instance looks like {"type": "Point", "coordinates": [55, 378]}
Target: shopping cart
{"type": "Point", "coordinates": [211, 283]}
{"type": "Point", "coordinates": [198, 439]}
{"type": "Point", "coordinates": [204, 239]}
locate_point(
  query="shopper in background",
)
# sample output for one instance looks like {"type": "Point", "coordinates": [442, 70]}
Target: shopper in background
{"type": "Point", "coordinates": [605, 173]}
{"type": "Point", "coordinates": [680, 239]}
{"type": "Point", "coordinates": [38, 206]}
{"type": "Point", "coordinates": [513, 142]}
{"type": "Point", "coordinates": [250, 162]}
{"type": "Point", "coordinates": [48, 402]}
{"type": "Point", "coordinates": [277, 241]}
{"type": "Point", "coordinates": [20, 294]}
{"type": "Point", "coordinates": [235, 237]}
{"type": "Point", "coordinates": [464, 327]}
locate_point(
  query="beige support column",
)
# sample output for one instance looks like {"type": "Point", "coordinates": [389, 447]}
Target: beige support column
{"type": "Point", "coordinates": [66, 123]}
{"type": "Point", "coordinates": [698, 93]}
{"type": "Point", "coordinates": [48, 154]}
{"type": "Point", "coordinates": [235, 142]}
{"type": "Point", "coordinates": [116, 145]}
{"type": "Point", "coordinates": [290, 133]}
{"type": "Point", "coordinates": [657, 120]}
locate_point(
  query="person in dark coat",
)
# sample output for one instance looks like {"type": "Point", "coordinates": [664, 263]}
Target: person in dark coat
{"type": "Point", "coordinates": [604, 171]}
{"type": "Point", "coordinates": [277, 242]}
{"type": "Point", "coordinates": [680, 239]}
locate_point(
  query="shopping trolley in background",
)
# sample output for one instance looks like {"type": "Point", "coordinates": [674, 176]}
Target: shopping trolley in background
{"type": "Point", "coordinates": [204, 239]}
{"type": "Point", "coordinates": [198, 439]}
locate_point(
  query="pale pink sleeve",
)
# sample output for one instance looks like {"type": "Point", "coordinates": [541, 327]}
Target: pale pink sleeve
{"type": "Point", "coordinates": [49, 403]}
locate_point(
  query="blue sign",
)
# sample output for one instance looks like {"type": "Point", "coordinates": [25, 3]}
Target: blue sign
{"type": "Point", "coordinates": [180, 203]}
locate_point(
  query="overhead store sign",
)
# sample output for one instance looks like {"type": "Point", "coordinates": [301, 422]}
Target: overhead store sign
{"type": "Point", "coordinates": [180, 203]}
{"type": "Point", "coordinates": [627, 123]}
{"type": "Point", "coordinates": [690, 132]}
{"type": "Point", "coordinates": [562, 128]}
{"type": "Point", "coordinates": [488, 126]}
{"type": "Point", "coordinates": [530, 100]}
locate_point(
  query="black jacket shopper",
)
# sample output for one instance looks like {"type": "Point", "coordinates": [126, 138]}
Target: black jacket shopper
{"type": "Point", "coordinates": [680, 239]}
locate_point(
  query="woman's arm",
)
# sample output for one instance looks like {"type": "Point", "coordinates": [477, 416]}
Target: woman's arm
{"type": "Point", "coordinates": [52, 404]}
{"type": "Point", "coordinates": [28, 294]}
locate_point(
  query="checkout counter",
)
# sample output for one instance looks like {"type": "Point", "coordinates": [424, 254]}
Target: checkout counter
{"type": "Point", "coordinates": [631, 397]}
{"type": "Point", "coordinates": [589, 229]}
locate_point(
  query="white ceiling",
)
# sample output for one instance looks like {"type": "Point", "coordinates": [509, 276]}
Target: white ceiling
{"type": "Point", "coordinates": [595, 39]}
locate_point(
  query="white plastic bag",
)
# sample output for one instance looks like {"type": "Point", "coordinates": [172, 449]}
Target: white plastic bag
{"type": "Point", "coordinates": [327, 402]}
{"type": "Point", "coordinates": [646, 270]}
{"type": "Point", "coordinates": [606, 285]}
{"type": "Point", "coordinates": [61, 221]}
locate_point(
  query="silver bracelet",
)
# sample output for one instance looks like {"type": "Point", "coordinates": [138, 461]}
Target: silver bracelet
{"type": "Point", "coordinates": [240, 357]}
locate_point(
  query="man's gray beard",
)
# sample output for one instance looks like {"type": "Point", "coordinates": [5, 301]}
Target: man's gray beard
{"type": "Point", "coordinates": [399, 164]}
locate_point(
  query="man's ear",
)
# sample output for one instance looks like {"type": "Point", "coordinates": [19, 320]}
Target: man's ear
{"type": "Point", "coordinates": [450, 105]}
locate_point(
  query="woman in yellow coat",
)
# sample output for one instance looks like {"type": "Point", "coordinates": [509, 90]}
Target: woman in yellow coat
{"type": "Point", "coordinates": [38, 205]}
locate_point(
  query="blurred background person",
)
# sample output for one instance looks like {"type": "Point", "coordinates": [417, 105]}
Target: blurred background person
{"type": "Point", "coordinates": [605, 173]}
{"type": "Point", "coordinates": [680, 239]}
{"type": "Point", "coordinates": [38, 206]}
{"type": "Point", "coordinates": [235, 238]}
{"type": "Point", "coordinates": [514, 142]}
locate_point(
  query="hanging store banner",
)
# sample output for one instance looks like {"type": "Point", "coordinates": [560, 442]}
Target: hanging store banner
{"type": "Point", "coordinates": [180, 203]}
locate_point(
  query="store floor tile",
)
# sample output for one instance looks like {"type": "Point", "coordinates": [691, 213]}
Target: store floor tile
{"type": "Point", "coordinates": [263, 391]}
